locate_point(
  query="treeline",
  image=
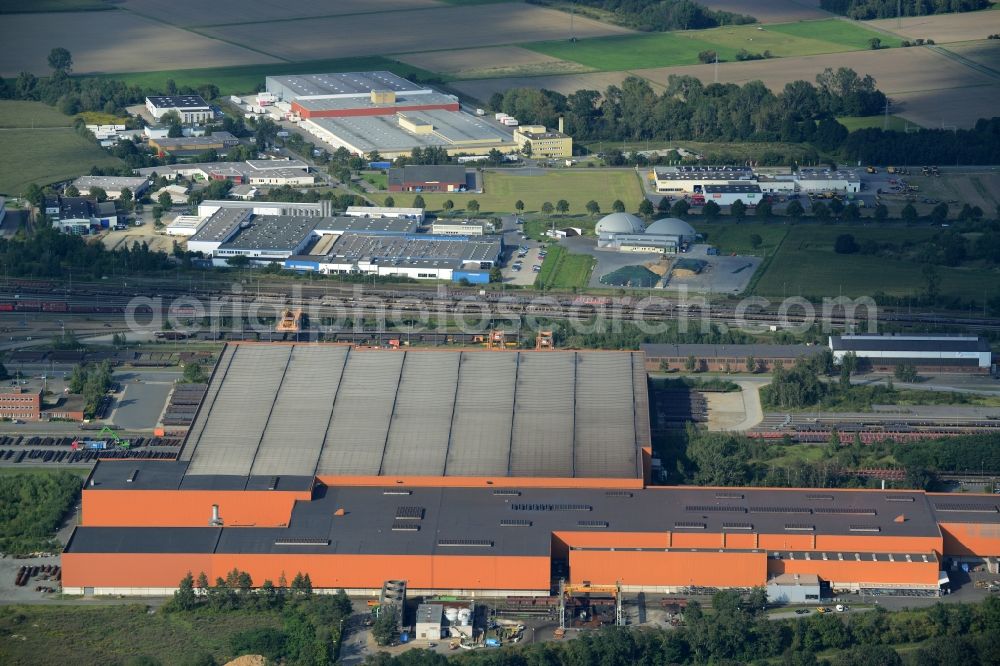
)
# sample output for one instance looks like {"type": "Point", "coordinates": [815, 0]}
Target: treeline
{"type": "Point", "coordinates": [979, 145]}
{"type": "Point", "coordinates": [49, 253]}
{"type": "Point", "coordinates": [739, 632]}
{"type": "Point", "coordinates": [659, 15]}
{"type": "Point", "coordinates": [873, 9]}
{"type": "Point", "coordinates": [690, 109]}
{"type": "Point", "coordinates": [32, 508]}
{"type": "Point", "coordinates": [310, 624]}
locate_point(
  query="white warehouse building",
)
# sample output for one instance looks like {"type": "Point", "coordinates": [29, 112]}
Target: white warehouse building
{"type": "Point", "coordinates": [938, 353]}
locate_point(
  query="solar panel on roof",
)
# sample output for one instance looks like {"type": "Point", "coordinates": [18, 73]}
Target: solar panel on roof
{"type": "Point", "coordinates": [618, 493]}
{"type": "Point", "coordinates": [686, 525]}
{"type": "Point", "coordinates": [847, 510]}
{"type": "Point", "coordinates": [899, 498]}
{"type": "Point", "coordinates": [592, 523]}
{"type": "Point", "coordinates": [865, 528]}
{"type": "Point", "coordinates": [405, 526]}
{"type": "Point", "coordinates": [301, 541]}
{"type": "Point", "coordinates": [396, 491]}
{"type": "Point", "coordinates": [471, 543]}
{"type": "Point", "coordinates": [780, 509]}
{"type": "Point", "coordinates": [507, 492]}
{"type": "Point", "coordinates": [819, 497]}
{"type": "Point", "coordinates": [409, 513]}
{"type": "Point", "coordinates": [799, 527]}
{"type": "Point", "coordinates": [729, 496]}
{"type": "Point", "coordinates": [737, 526]}
{"type": "Point", "coordinates": [716, 508]}
{"type": "Point", "coordinates": [976, 508]}
{"type": "Point", "coordinates": [551, 507]}
{"type": "Point", "coordinates": [515, 522]}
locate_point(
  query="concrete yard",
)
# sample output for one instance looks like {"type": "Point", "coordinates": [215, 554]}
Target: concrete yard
{"type": "Point", "coordinates": [721, 275]}
{"type": "Point", "coordinates": [141, 403]}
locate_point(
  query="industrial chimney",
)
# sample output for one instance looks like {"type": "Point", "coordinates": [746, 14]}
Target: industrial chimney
{"type": "Point", "coordinates": [561, 125]}
{"type": "Point", "coordinates": [216, 521]}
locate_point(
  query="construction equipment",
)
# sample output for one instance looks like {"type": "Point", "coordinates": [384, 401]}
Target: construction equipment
{"type": "Point", "coordinates": [290, 322]}
{"type": "Point", "coordinates": [496, 341]}
{"type": "Point", "coordinates": [872, 169]}
{"type": "Point", "coordinates": [118, 442]}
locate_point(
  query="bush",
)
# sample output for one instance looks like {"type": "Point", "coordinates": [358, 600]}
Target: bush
{"type": "Point", "coordinates": [32, 507]}
{"type": "Point", "coordinates": [267, 642]}
{"type": "Point", "coordinates": [845, 244]}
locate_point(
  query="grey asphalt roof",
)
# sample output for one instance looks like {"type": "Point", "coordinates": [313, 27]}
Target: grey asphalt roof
{"type": "Point", "coordinates": [909, 343]}
{"type": "Point", "coordinates": [402, 99]}
{"type": "Point", "coordinates": [408, 248]}
{"type": "Point", "coordinates": [558, 413]}
{"type": "Point", "coordinates": [272, 232]}
{"type": "Point", "coordinates": [731, 351]}
{"type": "Point", "coordinates": [340, 83]}
{"type": "Point", "coordinates": [476, 514]}
{"type": "Point", "coordinates": [221, 226]}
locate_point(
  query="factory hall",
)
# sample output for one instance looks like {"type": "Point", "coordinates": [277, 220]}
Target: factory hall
{"type": "Point", "coordinates": [486, 473]}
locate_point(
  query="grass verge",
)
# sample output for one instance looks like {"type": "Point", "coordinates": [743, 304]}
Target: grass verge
{"type": "Point", "coordinates": [563, 270]}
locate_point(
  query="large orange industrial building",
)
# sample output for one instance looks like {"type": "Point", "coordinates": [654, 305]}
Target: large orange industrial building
{"type": "Point", "coordinates": [482, 473]}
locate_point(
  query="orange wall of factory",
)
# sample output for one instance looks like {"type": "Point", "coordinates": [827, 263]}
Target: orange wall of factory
{"type": "Point", "coordinates": [877, 543]}
{"type": "Point", "coordinates": [849, 571]}
{"type": "Point", "coordinates": [668, 568]}
{"type": "Point", "coordinates": [613, 539]}
{"type": "Point", "coordinates": [798, 541]}
{"type": "Point", "coordinates": [480, 482]}
{"type": "Point", "coordinates": [971, 539]}
{"type": "Point", "coordinates": [325, 571]}
{"type": "Point", "coordinates": [188, 508]}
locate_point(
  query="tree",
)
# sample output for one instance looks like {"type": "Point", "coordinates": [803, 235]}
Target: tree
{"type": "Point", "coordinates": [448, 205]}
{"type": "Point", "coordinates": [909, 214]}
{"type": "Point", "coordinates": [193, 373]}
{"type": "Point", "coordinates": [184, 597]}
{"type": "Point", "coordinates": [764, 210]}
{"type": "Point", "coordinates": [3, 372]}
{"type": "Point", "coordinates": [795, 210]}
{"type": "Point", "coordinates": [472, 206]}
{"type": "Point", "coordinates": [874, 43]}
{"type": "Point", "coordinates": [562, 206]}
{"type": "Point", "coordinates": [821, 211]}
{"type": "Point", "coordinates": [126, 199]}
{"type": "Point", "coordinates": [881, 213]}
{"type": "Point", "coordinates": [690, 363]}
{"type": "Point", "coordinates": [663, 206]}
{"type": "Point", "coordinates": [593, 207]}
{"type": "Point", "coordinates": [71, 191]}
{"type": "Point", "coordinates": [98, 193]}
{"type": "Point", "coordinates": [933, 280]}
{"type": "Point", "coordinates": [389, 202]}
{"type": "Point", "coordinates": [940, 212]}
{"type": "Point", "coordinates": [845, 244]}
{"type": "Point", "coordinates": [680, 208]}
{"type": "Point", "coordinates": [751, 364]}
{"type": "Point", "coordinates": [496, 275]}
{"type": "Point", "coordinates": [60, 60]}
{"type": "Point", "coordinates": [738, 209]}
{"type": "Point", "coordinates": [836, 207]}
{"type": "Point", "coordinates": [707, 56]}
{"type": "Point", "coordinates": [852, 212]}
{"type": "Point", "coordinates": [664, 365]}
{"type": "Point", "coordinates": [905, 372]}
{"type": "Point", "coordinates": [165, 201]}
{"type": "Point", "coordinates": [526, 149]}
{"type": "Point", "coordinates": [418, 202]}
{"type": "Point", "coordinates": [618, 206]}
{"type": "Point", "coordinates": [547, 208]}
{"type": "Point", "coordinates": [710, 210]}
{"type": "Point", "coordinates": [756, 241]}
{"type": "Point", "coordinates": [646, 208]}
{"type": "Point", "coordinates": [519, 206]}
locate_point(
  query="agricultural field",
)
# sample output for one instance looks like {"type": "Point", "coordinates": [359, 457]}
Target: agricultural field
{"type": "Point", "coordinates": [806, 265]}
{"type": "Point", "coordinates": [682, 48]}
{"type": "Point", "coordinates": [943, 28]}
{"type": "Point", "coordinates": [921, 81]}
{"type": "Point", "coordinates": [191, 13]}
{"type": "Point", "coordinates": [732, 237]}
{"type": "Point", "coordinates": [39, 6]}
{"type": "Point", "coordinates": [491, 61]}
{"type": "Point", "coordinates": [577, 186]}
{"type": "Point", "coordinates": [769, 11]}
{"type": "Point", "coordinates": [129, 43]}
{"type": "Point", "coordinates": [985, 52]}
{"type": "Point", "coordinates": [44, 154]}
{"type": "Point", "coordinates": [243, 79]}
{"type": "Point", "coordinates": [448, 27]}
{"type": "Point", "coordinates": [481, 89]}
{"type": "Point", "coordinates": [70, 634]}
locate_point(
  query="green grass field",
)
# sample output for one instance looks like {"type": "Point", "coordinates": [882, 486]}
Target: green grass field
{"type": "Point", "coordinates": [562, 270]}
{"type": "Point", "coordinates": [45, 155]}
{"type": "Point", "coordinates": [735, 237]}
{"type": "Point", "coordinates": [681, 48]}
{"type": "Point", "coordinates": [806, 265]}
{"type": "Point", "coordinates": [70, 634]}
{"type": "Point", "coordinates": [31, 114]}
{"type": "Point", "coordinates": [864, 122]}
{"type": "Point", "coordinates": [243, 79]}
{"type": "Point", "coordinates": [577, 186]}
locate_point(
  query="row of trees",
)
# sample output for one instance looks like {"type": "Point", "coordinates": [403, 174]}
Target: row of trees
{"type": "Point", "coordinates": [979, 145]}
{"type": "Point", "coordinates": [737, 632]}
{"type": "Point", "coordinates": [660, 15]}
{"type": "Point", "coordinates": [92, 381]}
{"type": "Point", "coordinates": [872, 9]}
{"type": "Point", "coordinates": [690, 109]}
